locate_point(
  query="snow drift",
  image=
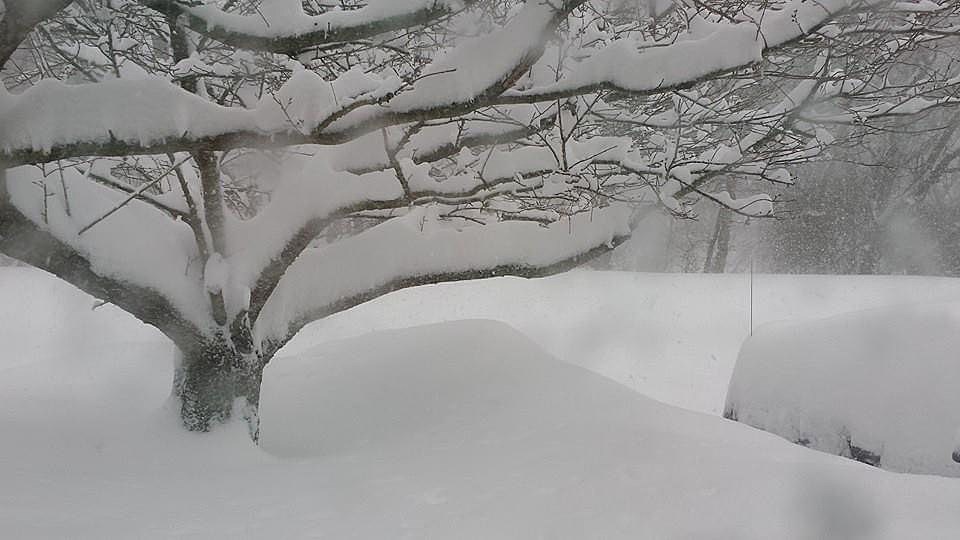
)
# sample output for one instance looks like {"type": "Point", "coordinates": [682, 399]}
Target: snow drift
{"type": "Point", "coordinates": [879, 386]}
{"type": "Point", "coordinates": [468, 429]}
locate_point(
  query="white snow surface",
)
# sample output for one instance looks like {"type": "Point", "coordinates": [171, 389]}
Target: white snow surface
{"type": "Point", "coordinates": [883, 381]}
{"type": "Point", "coordinates": [460, 429]}
{"type": "Point", "coordinates": [672, 337]}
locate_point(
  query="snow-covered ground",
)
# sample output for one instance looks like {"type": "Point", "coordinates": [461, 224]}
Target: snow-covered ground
{"type": "Point", "coordinates": [672, 337]}
{"type": "Point", "coordinates": [463, 429]}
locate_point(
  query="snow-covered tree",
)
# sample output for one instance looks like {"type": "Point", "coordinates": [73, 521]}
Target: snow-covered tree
{"type": "Point", "coordinates": [229, 171]}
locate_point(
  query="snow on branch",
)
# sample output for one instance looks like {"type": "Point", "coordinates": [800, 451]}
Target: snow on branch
{"type": "Point", "coordinates": [414, 250]}
{"type": "Point", "coordinates": [711, 48]}
{"type": "Point", "coordinates": [19, 17]}
{"type": "Point", "coordinates": [140, 247]}
{"type": "Point", "coordinates": [281, 26]}
{"type": "Point", "coordinates": [311, 196]}
{"type": "Point", "coordinates": [41, 236]}
{"type": "Point", "coordinates": [56, 121]}
{"type": "Point", "coordinates": [53, 120]}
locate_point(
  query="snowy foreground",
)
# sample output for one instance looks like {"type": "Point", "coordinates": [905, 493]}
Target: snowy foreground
{"type": "Point", "coordinates": [463, 429]}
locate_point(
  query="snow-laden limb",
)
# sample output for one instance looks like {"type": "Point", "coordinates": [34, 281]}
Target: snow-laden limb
{"type": "Point", "coordinates": [488, 64]}
{"type": "Point", "coordinates": [139, 245]}
{"type": "Point", "coordinates": [54, 120]}
{"type": "Point", "coordinates": [471, 76]}
{"type": "Point", "coordinates": [907, 106]}
{"type": "Point", "coordinates": [432, 142]}
{"type": "Point", "coordinates": [281, 25]}
{"type": "Point", "coordinates": [141, 262]}
{"type": "Point", "coordinates": [726, 159]}
{"type": "Point", "coordinates": [19, 17]}
{"type": "Point", "coordinates": [311, 195]}
{"type": "Point", "coordinates": [706, 50]}
{"type": "Point", "coordinates": [754, 205]}
{"type": "Point", "coordinates": [457, 148]}
{"type": "Point", "coordinates": [414, 250]}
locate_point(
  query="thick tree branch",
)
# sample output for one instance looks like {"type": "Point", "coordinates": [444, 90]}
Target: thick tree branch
{"type": "Point", "coordinates": [226, 129]}
{"type": "Point", "coordinates": [20, 18]}
{"type": "Point", "coordinates": [269, 277]}
{"type": "Point", "coordinates": [253, 33]}
{"type": "Point", "coordinates": [403, 282]}
{"type": "Point", "coordinates": [21, 239]}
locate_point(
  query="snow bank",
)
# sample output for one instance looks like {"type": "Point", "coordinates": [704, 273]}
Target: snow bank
{"type": "Point", "coordinates": [61, 353]}
{"type": "Point", "coordinates": [448, 385]}
{"type": "Point", "coordinates": [42, 317]}
{"type": "Point", "coordinates": [879, 386]}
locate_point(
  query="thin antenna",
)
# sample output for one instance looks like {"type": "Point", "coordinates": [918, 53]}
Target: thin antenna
{"type": "Point", "coordinates": [751, 296]}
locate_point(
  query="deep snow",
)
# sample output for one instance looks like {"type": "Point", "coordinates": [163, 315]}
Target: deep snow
{"type": "Point", "coordinates": [461, 429]}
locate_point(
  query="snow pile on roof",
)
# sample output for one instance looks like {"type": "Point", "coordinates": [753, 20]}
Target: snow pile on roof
{"type": "Point", "coordinates": [879, 386]}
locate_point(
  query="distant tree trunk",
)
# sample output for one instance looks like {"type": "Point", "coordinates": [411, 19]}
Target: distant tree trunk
{"type": "Point", "coordinates": [213, 381]}
{"type": "Point", "coordinates": [719, 246]}
{"type": "Point", "coordinates": [868, 258]}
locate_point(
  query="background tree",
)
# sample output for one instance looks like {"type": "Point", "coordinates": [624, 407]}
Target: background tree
{"type": "Point", "coordinates": [885, 204]}
{"type": "Point", "coordinates": [230, 171]}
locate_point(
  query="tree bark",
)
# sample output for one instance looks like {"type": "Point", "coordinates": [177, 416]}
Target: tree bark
{"type": "Point", "coordinates": [213, 382]}
{"type": "Point", "coordinates": [19, 18]}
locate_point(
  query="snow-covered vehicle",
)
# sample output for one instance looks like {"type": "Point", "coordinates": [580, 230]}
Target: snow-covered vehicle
{"type": "Point", "coordinates": [878, 386]}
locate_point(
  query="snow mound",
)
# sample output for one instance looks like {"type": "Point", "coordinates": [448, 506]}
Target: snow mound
{"type": "Point", "coordinates": [879, 386]}
{"type": "Point", "coordinates": [476, 382]}
{"type": "Point", "coordinates": [468, 429]}
{"type": "Point", "coordinates": [672, 337]}
{"type": "Point", "coordinates": [455, 430]}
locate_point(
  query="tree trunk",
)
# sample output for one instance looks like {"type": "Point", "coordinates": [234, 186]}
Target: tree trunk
{"type": "Point", "coordinates": [719, 246]}
{"type": "Point", "coordinates": [213, 381]}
